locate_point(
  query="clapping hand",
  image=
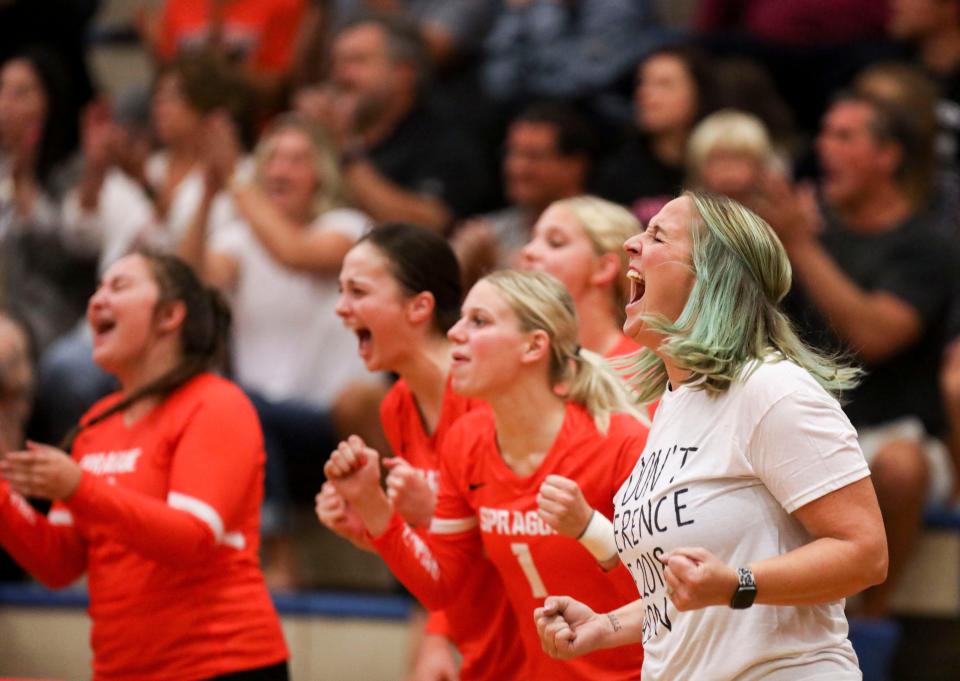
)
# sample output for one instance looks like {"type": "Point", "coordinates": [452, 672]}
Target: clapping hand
{"type": "Point", "coordinates": [41, 471]}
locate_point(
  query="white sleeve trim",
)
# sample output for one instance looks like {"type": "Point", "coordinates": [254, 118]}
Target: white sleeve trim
{"type": "Point", "coordinates": [198, 509]}
{"type": "Point", "coordinates": [235, 540]}
{"type": "Point", "coordinates": [60, 516]}
{"type": "Point", "coordinates": [452, 525]}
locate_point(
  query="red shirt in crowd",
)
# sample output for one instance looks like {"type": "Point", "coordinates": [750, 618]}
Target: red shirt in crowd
{"type": "Point", "coordinates": [259, 33]}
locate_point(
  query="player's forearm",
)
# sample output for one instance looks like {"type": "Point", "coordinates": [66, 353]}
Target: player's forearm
{"type": "Point", "coordinates": [53, 554]}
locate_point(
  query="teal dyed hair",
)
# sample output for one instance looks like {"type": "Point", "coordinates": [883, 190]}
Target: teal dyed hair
{"type": "Point", "coordinates": [732, 317]}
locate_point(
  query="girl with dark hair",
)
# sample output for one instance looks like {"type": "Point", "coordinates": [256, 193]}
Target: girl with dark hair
{"type": "Point", "coordinates": [557, 416]}
{"type": "Point", "coordinates": [158, 503]}
{"type": "Point", "coordinates": [675, 89]}
{"type": "Point", "coordinates": [400, 293]}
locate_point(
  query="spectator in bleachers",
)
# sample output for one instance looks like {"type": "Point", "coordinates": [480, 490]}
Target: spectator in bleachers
{"type": "Point", "coordinates": [258, 35]}
{"type": "Point", "coordinates": [290, 351]}
{"type": "Point", "coordinates": [548, 155]}
{"type": "Point", "coordinates": [540, 49]}
{"type": "Point", "coordinates": [61, 26]}
{"type": "Point", "coordinates": [729, 153]}
{"type": "Point", "coordinates": [934, 184]}
{"type": "Point", "coordinates": [121, 202]}
{"type": "Point", "coordinates": [675, 89]}
{"type": "Point", "coordinates": [932, 28]}
{"type": "Point", "coordinates": [875, 278]}
{"type": "Point", "coordinates": [127, 196]}
{"type": "Point", "coordinates": [401, 160]}
{"type": "Point", "coordinates": [747, 85]}
{"type": "Point", "coordinates": [42, 277]}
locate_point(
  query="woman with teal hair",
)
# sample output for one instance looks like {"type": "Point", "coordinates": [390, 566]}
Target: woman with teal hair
{"type": "Point", "coordinates": [752, 490]}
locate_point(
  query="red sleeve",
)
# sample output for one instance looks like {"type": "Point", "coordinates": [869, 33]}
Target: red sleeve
{"type": "Point", "coordinates": [280, 37]}
{"type": "Point", "coordinates": [49, 548]}
{"type": "Point", "coordinates": [433, 565]}
{"type": "Point", "coordinates": [215, 467]}
{"type": "Point", "coordinates": [166, 32]}
{"type": "Point", "coordinates": [437, 624]}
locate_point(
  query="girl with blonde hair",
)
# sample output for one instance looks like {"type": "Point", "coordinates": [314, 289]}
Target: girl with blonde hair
{"type": "Point", "coordinates": [580, 241]}
{"type": "Point", "coordinates": [511, 476]}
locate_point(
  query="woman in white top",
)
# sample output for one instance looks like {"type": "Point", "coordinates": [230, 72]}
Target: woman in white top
{"type": "Point", "coordinates": [290, 351]}
{"type": "Point", "coordinates": [752, 490]}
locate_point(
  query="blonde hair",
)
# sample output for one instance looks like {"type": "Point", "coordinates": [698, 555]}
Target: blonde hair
{"type": "Point", "coordinates": [331, 191]}
{"type": "Point", "coordinates": [730, 131]}
{"type": "Point", "coordinates": [542, 303]}
{"type": "Point", "coordinates": [731, 322]}
{"type": "Point", "coordinates": [608, 225]}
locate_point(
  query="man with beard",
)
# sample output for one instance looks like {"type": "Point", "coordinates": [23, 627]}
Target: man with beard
{"type": "Point", "coordinates": [401, 161]}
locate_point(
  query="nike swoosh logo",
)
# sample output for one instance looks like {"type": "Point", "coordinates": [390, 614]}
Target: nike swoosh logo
{"type": "Point", "coordinates": [475, 485]}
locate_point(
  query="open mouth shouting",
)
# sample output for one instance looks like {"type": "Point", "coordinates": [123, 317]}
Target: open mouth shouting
{"type": "Point", "coordinates": [102, 327]}
{"type": "Point", "coordinates": [637, 286]}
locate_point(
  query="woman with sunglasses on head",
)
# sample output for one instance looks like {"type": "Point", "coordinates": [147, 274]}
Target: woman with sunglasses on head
{"type": "Point", "coordinates": [400, 293]}
{"type": "Point", "coordinates": [770, 501]}
{"type": "Point", "coordinates": [159, 501]}
{"type": "Point", "coordinates": [555, 412]}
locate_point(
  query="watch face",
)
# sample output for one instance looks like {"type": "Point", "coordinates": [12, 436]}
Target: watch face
{"type": "Point", "coordinates": [746, 592]}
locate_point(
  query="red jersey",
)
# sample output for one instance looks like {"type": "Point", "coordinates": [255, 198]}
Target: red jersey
{"type": "Point", "coordinates": [485, 508]}
{"type": "Point", "coordinates": [487, 644]}
{"type": "Point", "coordinates": [624, 346]}
{"type": "Point", "coordinates": [628, 346]}
{"type": "Point", "coordinates": [165, 522]}
{"type": "Point", "coordinates": [259, 33]}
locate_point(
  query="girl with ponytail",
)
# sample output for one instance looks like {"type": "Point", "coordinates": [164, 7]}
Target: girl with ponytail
{"type": "Point", "coordinates": [159, 501]}
{"type": "Point", "coordinates": [520, 481]}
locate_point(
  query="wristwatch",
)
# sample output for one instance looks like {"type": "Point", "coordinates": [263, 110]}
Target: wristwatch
{"type": "Point", "coordinates": [746, 591]}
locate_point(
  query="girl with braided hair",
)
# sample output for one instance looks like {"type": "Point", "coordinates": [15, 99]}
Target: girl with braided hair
{"type": "Point", "coordinates": [159, 501]}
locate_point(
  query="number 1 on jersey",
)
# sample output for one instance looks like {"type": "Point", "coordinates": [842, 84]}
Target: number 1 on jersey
{"type": "Point", "coordinates": [525, 558]}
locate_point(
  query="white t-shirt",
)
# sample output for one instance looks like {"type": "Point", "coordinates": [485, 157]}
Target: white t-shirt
{"type": "Point", "coordinates": [288, 342]}
{"type": "Point", "coordinates": [125, 217]}
{"type": "Point", "coordinates": [725, 473]}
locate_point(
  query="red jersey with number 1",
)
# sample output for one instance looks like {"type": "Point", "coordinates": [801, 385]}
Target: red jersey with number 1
{"type": "Point", "coordinates": [484, 508]}
{"type": "Point", "coordinates": [488, 643]}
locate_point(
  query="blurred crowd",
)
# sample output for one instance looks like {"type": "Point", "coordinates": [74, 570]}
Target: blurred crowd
{"type": "Point", "coordinates": [274, 133]}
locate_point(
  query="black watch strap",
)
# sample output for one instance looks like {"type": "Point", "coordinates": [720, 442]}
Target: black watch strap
{"type": "Point", "coordinates": [746, 591]}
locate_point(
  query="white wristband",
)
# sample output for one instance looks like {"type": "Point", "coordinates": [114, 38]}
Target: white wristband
{"type": "Point", "coordinates": [597, 538]}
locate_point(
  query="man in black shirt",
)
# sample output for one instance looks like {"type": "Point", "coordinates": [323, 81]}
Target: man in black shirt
{"type": "Point", "coordinates": [873, 279]}
{"type": "Point", "coordinates": [401, 161]}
